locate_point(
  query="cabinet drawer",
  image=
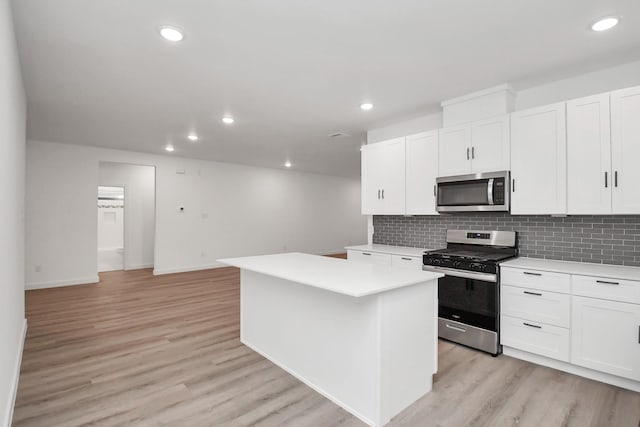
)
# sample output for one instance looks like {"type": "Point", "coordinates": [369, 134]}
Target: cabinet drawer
{"type": "Point", "coordinates": [604, 288]}
{"type": "Point", "coordinates": [534, 279]}
{"type": "Point", "coordinates": [534, 337]}
{"type": "Point", "coordinates": [370, 257]}
{"type": "Point", "coordinates": [406, 261]}
{"type": "Point", "coordinates": [546, 307]}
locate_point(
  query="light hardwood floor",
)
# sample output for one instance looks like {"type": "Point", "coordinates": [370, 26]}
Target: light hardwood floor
{"type": "Point", "coordinates": [143, 350]}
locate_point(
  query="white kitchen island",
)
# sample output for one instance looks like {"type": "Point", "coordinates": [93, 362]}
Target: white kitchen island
{"type": "Point", "coordinates": [364, 336]}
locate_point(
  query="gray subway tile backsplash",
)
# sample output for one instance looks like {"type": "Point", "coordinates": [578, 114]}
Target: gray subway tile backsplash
{"type": "Point", "coordinates": [603, 239]}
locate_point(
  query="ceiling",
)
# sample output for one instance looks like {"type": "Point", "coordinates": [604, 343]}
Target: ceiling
{"type": "Point", "coordinates": [291, 72]}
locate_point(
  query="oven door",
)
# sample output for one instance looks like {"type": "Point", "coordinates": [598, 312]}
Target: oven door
{"type": "Point", "coordinates": [477, 192]}
{"type": "Point", "coordinates": [470, 301]}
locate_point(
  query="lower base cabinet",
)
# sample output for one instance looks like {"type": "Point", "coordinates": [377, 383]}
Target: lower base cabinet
{"type": "Point", "coordinates": [589, 322]}
{"type": "Point", "coordinates": [606, 336]}
{"type": "Point", "coordinates": [534, 337]}
{"type": "Point", "coordinates": [381, 258]}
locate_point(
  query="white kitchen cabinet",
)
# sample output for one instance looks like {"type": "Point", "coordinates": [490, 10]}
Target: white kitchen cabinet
{"type": "Point", "coordinates": [539, 161]}
{"type": "Point", "coordinates": [454, 151]}
{"type": "Point", "coordinates": [625, 150]}
{"type": "Point", "coordinates": [551, 308]}
{"type": "Point", "coordinates": [535, 337]}
{"type": "Point", "coordinates": [481, 146]}
{"type": "Point", "coordinates": [369, 257]}
{"type": "Point", "coordinates": [490, 147]}
{"type": "Point", "coordinates": [410, 262]}
{"type": "Point", "coordinates": [383, 178]}
{"type": "Point", "coordinates": [421, 170]}
{"type": "Point", "coordinates": [606, 336]}
{"type": "Point", "coordinates": [589, 175]}
{"type": "Point", "coordinates": [535, 312]}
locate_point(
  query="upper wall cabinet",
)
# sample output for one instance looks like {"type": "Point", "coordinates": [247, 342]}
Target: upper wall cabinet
{"type": "Point", "coordinates": [625, 150]}
{"type": "Point", "coordinates": [481, 146]}
{"type": "Point", "coordinates": [589, 178]}
{"type": "Point", "coordinates": [539, 161]}
{"type": "Point", "coordinates": [422, 169]}
{"type": "Point", "coordinates": [383, 178]}
{"type": "Point", "coordinates": [454, 151]}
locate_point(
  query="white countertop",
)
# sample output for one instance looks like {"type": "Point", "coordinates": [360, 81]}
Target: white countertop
{"type": "Point", "coordinates": [570, 267]}
{"type": "Point", "coordinates": [387, 249]}
{"type": "Point", "coordinates": [356, 279]}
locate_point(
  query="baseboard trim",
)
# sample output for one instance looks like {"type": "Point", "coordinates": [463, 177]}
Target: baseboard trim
{"type": "Point", "coordinates": [59, 283]}
{"type": "Point", "coordinates": [138, 267]}
{"type": "Point", "coordinates": [573, 369]}
{"type": "Point", "coordinates": [16, 379]}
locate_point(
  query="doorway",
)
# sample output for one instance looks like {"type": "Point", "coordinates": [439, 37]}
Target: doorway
{"type": "Point", "coordinates": [110, 228]}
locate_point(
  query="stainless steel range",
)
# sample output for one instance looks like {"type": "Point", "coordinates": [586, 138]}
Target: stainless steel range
{"type": "Point", "coordinates": [469, 293]}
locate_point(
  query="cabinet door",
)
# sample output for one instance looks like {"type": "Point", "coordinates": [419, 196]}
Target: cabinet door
{"type": "Point", "coordinates": [625, 144]}
{"type": "Point", "coordinates": [589, 156]}
{"type": "Point", "coordinates": [394, 176]}
{"type": "Point", "coordinates": [538, 161]}
{"type": "Point", "coordinates": [372, 178]}
{"type": "Point", "coordinates": [605, 336]}
{"type": "Point", "coordinates": [490, 145]}
{"type": "Point", "coordinates": [454, 151]}
{"type": "Point", "coordinates": [422, 169]}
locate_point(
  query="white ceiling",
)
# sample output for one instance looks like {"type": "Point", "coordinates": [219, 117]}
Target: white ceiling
{"type": "Point", "coordinates": [290, 71]}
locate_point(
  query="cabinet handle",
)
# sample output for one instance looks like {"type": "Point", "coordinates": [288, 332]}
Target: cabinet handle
{"type": "Point", "coordinates": [532, 326]}
{"type": "Point", "coordinates": [513, 185]}
{"type": "Point", "coordinates": [615, 179]}
{"type": "Point", "coordinates": [378, 194]}
{"type": "Point", "coordinates": [532, 293]}
{"type": "Point", "coordinates": [467, 153]}
{"type": "Point", "coordinates": [473, 153]}
{"type": "Point", "coordinates": [434, 190]}
{"type": "Point", "coordinates": [638, 334]}
{"type": "Point", "coordinates": [406, 259]}
{"type": "Point", "coordinates": [383, 193]}
{"type": "Point", "coordinates": [366, 253]}
{"type": "Point", "coordinates": [606, 180]}
{"type": "Point", "coordinates": [531, 274]}
{"type": "Point", "coordinates": [604, 282]}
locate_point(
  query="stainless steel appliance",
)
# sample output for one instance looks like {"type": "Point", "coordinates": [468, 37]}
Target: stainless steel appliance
{"type": "Point", "coordinates": [469, 293]}
{"type": "Point", "coordinates": [476, 192]}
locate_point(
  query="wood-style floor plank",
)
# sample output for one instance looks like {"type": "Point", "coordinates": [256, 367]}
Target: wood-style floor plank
{"type": "Point", "coordinates": [147, 350]}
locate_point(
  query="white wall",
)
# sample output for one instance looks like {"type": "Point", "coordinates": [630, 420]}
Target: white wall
{"type": "Point", "coordinates": [110, 225]}
{"type": "Point", "coordinates": [609, 79]}
{"type": "Point", "coordinates": [139, 222]}
{"type": "Point", "coordinates": [605, 80]}
{"type": "Point", "coordinates": [229, 210]}
{"type": "Point", "coordinates": [12, 137]}
{"type": "Point", "coordinates": [405, 127]}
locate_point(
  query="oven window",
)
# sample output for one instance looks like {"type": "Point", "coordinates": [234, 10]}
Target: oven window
{"type": "Point", "coordinates": [464, 193]}
{"type": "Point", "coordinates": [469, 301]}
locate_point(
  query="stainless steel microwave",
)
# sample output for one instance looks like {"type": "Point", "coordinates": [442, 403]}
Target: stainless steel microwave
{"type": "Point", "coordinates": [480, 192]}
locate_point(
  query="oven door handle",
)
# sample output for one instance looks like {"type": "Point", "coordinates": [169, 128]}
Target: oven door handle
{"type": "Point", "coordinates": [485, 277]}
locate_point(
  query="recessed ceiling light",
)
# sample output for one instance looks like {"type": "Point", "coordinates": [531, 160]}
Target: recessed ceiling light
{"type": "Point", "coordinates": [366, 106]}
{"type": "Point", "coordinates": [192, 137]}
{"type": "Point", "coordinates": [604, 24]}
{"type": "Point", "coordinates": [171, 34]}
{"type": "Point", "coordinates": [287, 164]}
{"type": "Point", "coordinates": [169, 148]}
{"type": "Point", "coordinates": [227, 120]}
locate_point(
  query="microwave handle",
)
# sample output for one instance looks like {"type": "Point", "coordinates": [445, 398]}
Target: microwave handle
{"type": "Point", "coordinates": [490, 191]}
